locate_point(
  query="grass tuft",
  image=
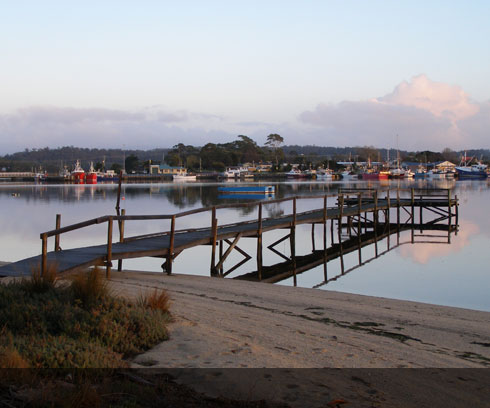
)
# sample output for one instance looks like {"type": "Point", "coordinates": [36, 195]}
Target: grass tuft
{"type": "Point", "coordinates": [41, 282]}
{"type": "Point", "coordinates": [10, 358]}
{"type": "Point", "coordinates": [90, 287]}
{"type": "Point", "coordinates": [158, 299]}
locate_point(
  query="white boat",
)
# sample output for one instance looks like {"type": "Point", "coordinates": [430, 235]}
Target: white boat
{"type": "Point", "coordinates": [234, 172]}
{"type": "Point", "coordinates": [295, 173]}
{"type": "Point", "coordinates": [436, 174]}
{"type": "Point", "coordinates": [348, 175]}
{"type": "Point", "coordinates": [397, 173]}
{"type": "Point", "coordinates": [324, 174]}
{"type": "Point", "coordinates": [184, 177]}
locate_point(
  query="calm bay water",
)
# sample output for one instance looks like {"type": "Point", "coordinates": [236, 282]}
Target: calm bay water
{"type": "Point", "coordinates": [456, 274]}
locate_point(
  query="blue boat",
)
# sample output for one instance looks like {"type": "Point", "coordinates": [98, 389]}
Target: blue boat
{"type": "Point", "coordinates": [477, 171]}
{"type": "Point", "coordinates": [248, 190]}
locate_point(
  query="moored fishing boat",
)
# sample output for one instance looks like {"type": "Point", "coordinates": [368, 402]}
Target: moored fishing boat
{"type": "Point", "coordinates": [295, 173]}
{"type": "Point", "coordinates": [184, 177]}
{"type": "Point", "coordinates": [91, 176]}
{"type": "Point", "coordinates": [475, 171]}
{"type": "Point", "coordinates": [78, 174]}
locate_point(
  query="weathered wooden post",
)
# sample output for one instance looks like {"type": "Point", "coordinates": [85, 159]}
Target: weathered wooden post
{"type": "Point", "coordinates": [340, 201]}
{"type": "Point", "coordinates": [312, 237]}
{"type": "Point", "coordinates": [398, 216]}
{"type": "Point", "coordinates": [292, 241]}
{"type": "Point", "coordinates": [214, 237]}
{"type": "Point", "coordinates": [456, 204]}
{"type": "Point", "coordinates": [359, 228]}
{"type": "Point", "coordinates": [121, 237]}
{"type": "Point", "coordinates": [221, 268]}
{"type": "Point", "coordinates": [325, 238]}
{"type": "Point", "coordinates": [413, 214]}
{"type": "Point", "coordinates": [259, 242]}
{"type": "Point", "coordinates": [57, 236]}
{"type": "Point", "coordinates": [170, 253]}
{"type": "Point", "coordinates": [375, 220]}
{"type": "Point", "coordinates": [449, 219]}
{"type": "Point", "coordinates": [109, 248]}
{"type": "Point", "coordinates": [421, 219]}
{"type": "Point", "coordinates": [44, 251]}
{"type": "Point", "coordinates": [118, 201]}
{"type": "Point", "coordinates": [388, 217]}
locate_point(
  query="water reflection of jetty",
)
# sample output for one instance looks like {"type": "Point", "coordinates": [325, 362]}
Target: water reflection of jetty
{"type": "Point", "coordinates": [358, 218]}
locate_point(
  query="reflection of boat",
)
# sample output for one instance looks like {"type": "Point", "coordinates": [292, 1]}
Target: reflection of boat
{"type": "Point", "coordinates": [184, 177]}
{"type": "Point", "coordinates": [78, 174]}
{"type": "Point", "coordinates": [376, 175]}
{"type": "Point", "coordinates": [249, 189]}
{"type": "Point", "coordinates": [245, 196]}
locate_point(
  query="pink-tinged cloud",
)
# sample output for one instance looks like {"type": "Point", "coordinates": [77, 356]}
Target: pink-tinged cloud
{"type": "Point", "coordinates": [423, 253]}
{"type": "Point", "coordinates": [438, 98]}
{"type": "Point", "coordinates": [425, 114]}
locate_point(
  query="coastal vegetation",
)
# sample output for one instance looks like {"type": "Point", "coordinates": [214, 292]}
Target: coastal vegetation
{"type": "Point", "coordinates": [46, 323]}
{"type": "Point", "coordinates": [216, 156]}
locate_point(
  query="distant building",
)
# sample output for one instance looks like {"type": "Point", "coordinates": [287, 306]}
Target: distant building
{"type": "Point", "coordinates": [445, 166]}
{"type": "Point", "coordinates": [167, 170]}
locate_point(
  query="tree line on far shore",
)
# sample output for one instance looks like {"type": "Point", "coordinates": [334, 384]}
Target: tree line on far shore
{"type": "Point", "coordinates": [218, 156]}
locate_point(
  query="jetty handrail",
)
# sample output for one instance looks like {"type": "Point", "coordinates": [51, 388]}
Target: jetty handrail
{"type": "Point", "coordinates": [341, 195]}
{"type": "Point", "coordinates": [105, 218]}
{"type": "Point", "coordinates": [72, 227]}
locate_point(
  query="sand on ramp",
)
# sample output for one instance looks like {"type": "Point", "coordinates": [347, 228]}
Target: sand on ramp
{"type": "Point", "coordinates": [292, 342]}
{"type": "Point", "coordinates": [232, 324]}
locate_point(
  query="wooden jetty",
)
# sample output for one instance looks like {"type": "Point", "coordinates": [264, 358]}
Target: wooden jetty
{"type": "Point", "coordinates": [359, 218]}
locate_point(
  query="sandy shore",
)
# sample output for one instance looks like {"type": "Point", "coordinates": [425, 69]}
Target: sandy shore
{"type": "Point", "coordinates": [222, 324]}
{"type": "Point", "coordinates": [225, 323]}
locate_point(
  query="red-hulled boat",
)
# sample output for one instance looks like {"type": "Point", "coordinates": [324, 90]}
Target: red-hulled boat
{"type": "Point", "coordinates": [376, 175]}
{"type": "Point", "coordinates": [78, 174]}
{"type": "Point", "coordinates": [91, 176]}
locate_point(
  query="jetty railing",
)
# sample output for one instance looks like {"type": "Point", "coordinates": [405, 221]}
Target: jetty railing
{"type": "Point", "coordinates": [345, 198]}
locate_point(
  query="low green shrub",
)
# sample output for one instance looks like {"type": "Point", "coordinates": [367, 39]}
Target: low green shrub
{"type": "Point", "coordinates": [68, 326]}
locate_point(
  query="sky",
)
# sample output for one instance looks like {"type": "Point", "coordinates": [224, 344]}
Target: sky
{"type": "Point", "coordinates": [149, 74]}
